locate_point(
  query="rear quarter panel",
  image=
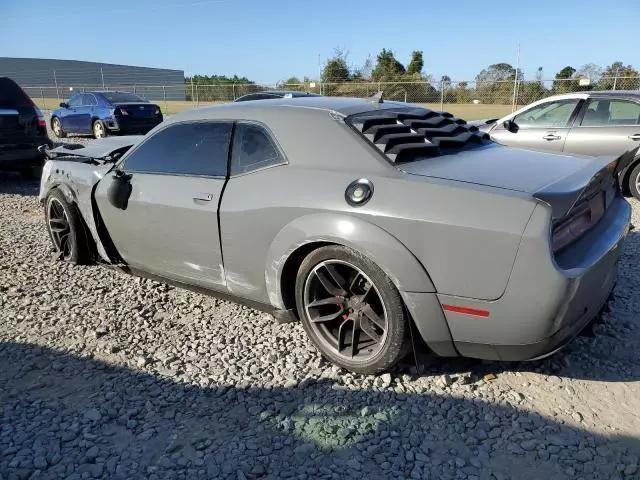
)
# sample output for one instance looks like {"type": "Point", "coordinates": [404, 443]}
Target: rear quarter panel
{"type": "Point", "coordinates": [463, 237]}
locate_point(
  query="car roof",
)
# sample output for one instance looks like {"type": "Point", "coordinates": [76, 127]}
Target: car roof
{"type": "Point", "coordinates": [592, 93]}
{"type": "Point", "coordinates": [343, 106]}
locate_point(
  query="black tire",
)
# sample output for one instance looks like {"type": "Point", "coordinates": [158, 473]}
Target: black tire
{"type": "Point", "coordinates": [56, 128]}
{"type": "Point", "coordinates": [393, 343]}
{"type": "Point", "coordinates": [69, 240]}
{"type": "Point", "coordinates": [634, 182]}
{"type": "Point", "coordinates": [99, 129]}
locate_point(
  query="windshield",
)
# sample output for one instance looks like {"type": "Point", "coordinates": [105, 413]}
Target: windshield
{"type": "Point", "coordinates": [122, 97]}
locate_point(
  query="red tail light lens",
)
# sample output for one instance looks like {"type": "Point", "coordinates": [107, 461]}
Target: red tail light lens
{"type": "Point", "coordinates": [573, 228]}
{"type": "Point", "coordinates": [41, 121]}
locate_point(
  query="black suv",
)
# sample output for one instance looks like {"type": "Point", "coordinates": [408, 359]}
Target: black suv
{"type": "Point", "coordinates": [22, 129]}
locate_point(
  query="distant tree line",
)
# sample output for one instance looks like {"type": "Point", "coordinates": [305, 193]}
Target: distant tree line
{"type": "Point", "coordinates": [494, 84]}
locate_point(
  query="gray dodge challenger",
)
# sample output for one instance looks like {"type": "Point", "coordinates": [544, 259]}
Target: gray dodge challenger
{"type": "Point", "coordinates": [371, 222]}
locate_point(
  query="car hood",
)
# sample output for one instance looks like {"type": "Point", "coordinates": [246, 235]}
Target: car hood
{"type": "Point", "coordinates": [503, 167]}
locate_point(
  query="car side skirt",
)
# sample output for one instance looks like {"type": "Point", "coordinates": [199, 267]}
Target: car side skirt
{"type": "Point", "coordinates": [281, 316]}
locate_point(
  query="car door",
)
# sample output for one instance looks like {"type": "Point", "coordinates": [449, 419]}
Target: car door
{"type": "Point", "coordinates": [70, 119]}
{"type": "Point", "coordinates": [542, 127]}
{"type": "Point", "coordinates": [607, 126]}
{"type": "Point", "coordinates": [83, 114]}
{"type": "Point", "coordinates": [170, 224]}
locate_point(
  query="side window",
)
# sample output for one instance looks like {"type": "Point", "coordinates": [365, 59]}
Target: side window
{"type": "Point", "coordinates": [197, 148]}
{"type": "Point", "coordinates": [606, 112]}
{"type": "Point", "coordinates": [253, 148]}
{"type": "Point", "coordinates": [75, 101]}
{"type": "Point", "coordinates": [547, 115]}
{"type": "Point", "coordinates": [90, 99]}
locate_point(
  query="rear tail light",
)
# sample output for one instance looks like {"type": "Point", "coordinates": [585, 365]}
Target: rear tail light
{"type": "Point", "coordinates": [569, 230]}
{"type": "Point", "coordinates": [158, 112]}
{"type": "Point", "coordinates": [41, 121]}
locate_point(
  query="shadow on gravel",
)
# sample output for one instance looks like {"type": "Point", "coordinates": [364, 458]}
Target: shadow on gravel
{"type": "Point", "coordinates": [66, 415]}
{"type": "Point", "coordinates": [14, 184]}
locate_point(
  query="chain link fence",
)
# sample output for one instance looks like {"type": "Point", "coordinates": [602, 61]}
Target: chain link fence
{"type": "Point", "coordinates": [467, 99]}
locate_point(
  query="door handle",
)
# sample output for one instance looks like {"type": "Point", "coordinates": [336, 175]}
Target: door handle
{"type": "Point", "coordinates": [205, 197]}
{"type": "Point", "coordinates": [635, 136]}
{"type": "Point", "coordinates": [550, 136]}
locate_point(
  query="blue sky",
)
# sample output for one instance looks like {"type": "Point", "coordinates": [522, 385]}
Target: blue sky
{"type": "Point", "coordinates": [270, 41]}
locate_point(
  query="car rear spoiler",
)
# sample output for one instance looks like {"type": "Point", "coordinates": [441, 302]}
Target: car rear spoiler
{"type": "Point", "coordinates": [564, 194]}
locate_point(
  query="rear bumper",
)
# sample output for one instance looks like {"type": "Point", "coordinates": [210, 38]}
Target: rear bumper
{"type": "Point", "coordinates": [132, 126]}
{"type": "Point", "coordinates": [547, 301]}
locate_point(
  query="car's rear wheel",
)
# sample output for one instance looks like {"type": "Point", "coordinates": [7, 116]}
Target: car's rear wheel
{"type": "Point", "coordinates": [65, 229]}
{"type": "Point", "coordinates": [351, 310]}
{"type": "Point", "coordinates": [99, 129]}
{"type": "Point", "coordinates": [56, 126]}
{"type": "Point", "coordinates": [634, 182]}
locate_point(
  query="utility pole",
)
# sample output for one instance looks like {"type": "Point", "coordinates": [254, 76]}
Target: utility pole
{"type": "Point", "coordinates": [320, 74]}
{"type": "Point", "coordinates": [515, 81]}
{"type": "Point", "coordinates": [102, 75]}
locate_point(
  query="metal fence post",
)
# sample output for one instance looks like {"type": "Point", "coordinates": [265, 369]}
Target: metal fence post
{"type": "Point", "coordinates": [164, 96]}
{"type": "Point", "coordinates": [234, 91]}
{"type": "Point", "coordinates": [197, 97]}
{"type": "Point", "coordinates": [44, 105]}
{"type": "Point", "coordinates": [55, 79]}
{"type": "Point", "coordinates": [442, 94]}
{"type": "Point", "coordinates": [134, 89]}
{"type": "Point", "coordinates": [615, 82]}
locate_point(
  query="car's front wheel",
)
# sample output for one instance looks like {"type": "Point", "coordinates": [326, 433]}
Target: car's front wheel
{"type": "Point", "coordinates": [65, 229]}
{"type": "Point", "coordinates": [56, 126]}
{"type": "Point", "coordinates": [99, 129]}
{"type": "Point", "coordinates": [634, 182]}
{"type": "Point", "coordinates": [351, 310]}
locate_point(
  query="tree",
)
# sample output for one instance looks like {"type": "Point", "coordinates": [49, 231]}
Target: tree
{"type": "Point", "coordinates": [498, 72]}
{"type": "Point", "coordinates": [336, 68]}
{"type": "Point", "coordinates": [364, 72]}
{"type": "Point", "coordinates": [619, 76]}
{"type": "Point", "coordinates": [387, 68]}
{"type": "Point", "coordinates": [494, 84]}
{"type": "Point", "coordinates": [562, 84]}
{"type": "Point", "coordinates": [416, 64]}
{"type": "Point", "coordinates": [589, 70]}
{"type": "Point", "coordinates": [218, 87]}
{"type": "Point", "coordinates": [566, 72]}
{"type": "Point", "coordinates": [292, 81]}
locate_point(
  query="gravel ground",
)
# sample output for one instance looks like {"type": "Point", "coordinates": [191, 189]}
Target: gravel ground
{"type": "Point", "coordinates": [103, 375]}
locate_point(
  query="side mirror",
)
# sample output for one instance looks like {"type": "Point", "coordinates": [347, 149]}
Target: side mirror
{"type": "Point", "coordinates": [511, 126]}
{"type": "Point", "coordinates": [120, 189]}
{"type": "Point", "coordinates": [64, 105]}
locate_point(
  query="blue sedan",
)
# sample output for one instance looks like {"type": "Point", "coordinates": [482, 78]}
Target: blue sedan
{"type": "Point", "coordinates": [102, 113]}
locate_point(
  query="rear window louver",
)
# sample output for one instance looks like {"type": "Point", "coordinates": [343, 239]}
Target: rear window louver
{"type": "Point", "coordinates": [404, 135]}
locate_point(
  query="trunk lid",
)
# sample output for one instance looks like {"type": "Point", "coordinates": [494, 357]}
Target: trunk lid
{"type": "Point", "coordinates": [504, 167]}
{"type": "Point", "coordinates": [138, 110]}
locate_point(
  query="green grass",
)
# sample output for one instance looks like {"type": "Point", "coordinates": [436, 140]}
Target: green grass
{"type": "Point", "coordinates": [465, 111]}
